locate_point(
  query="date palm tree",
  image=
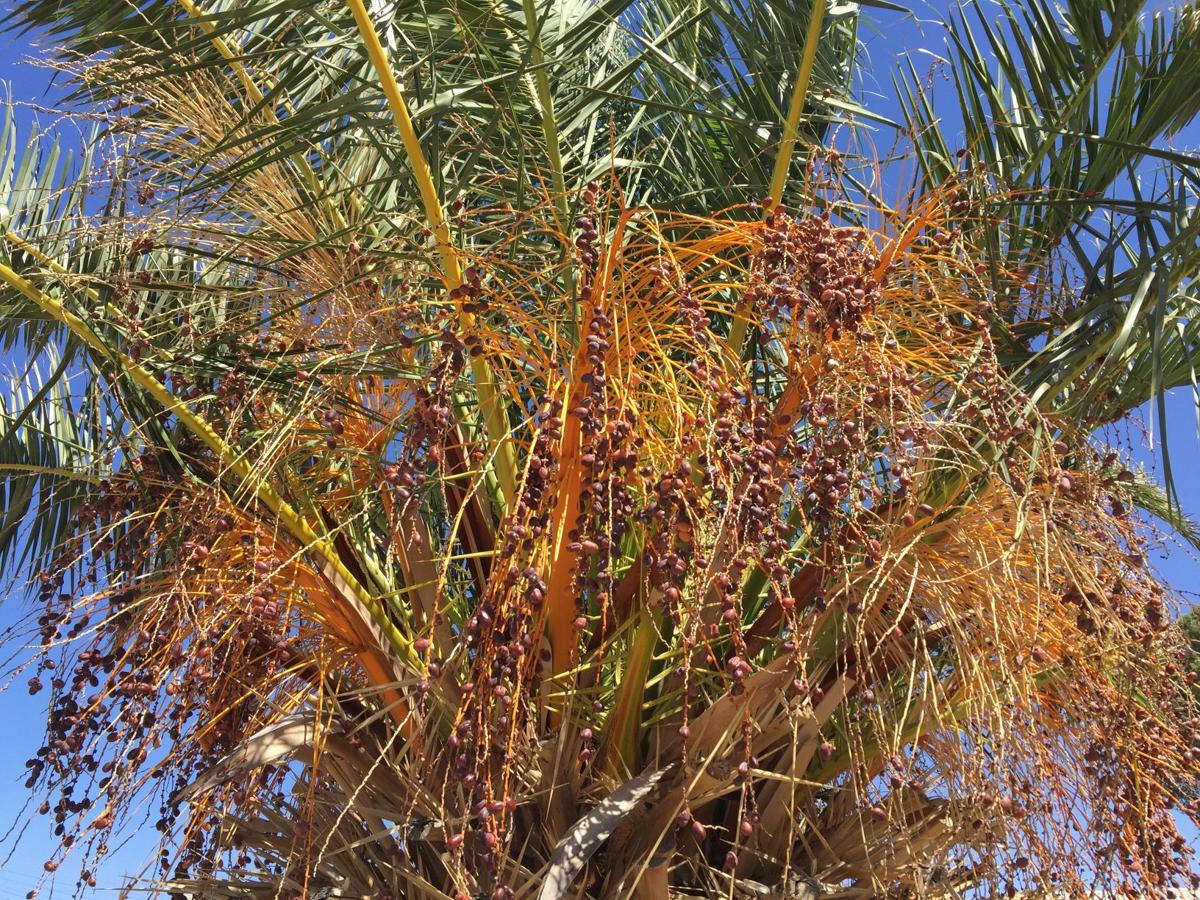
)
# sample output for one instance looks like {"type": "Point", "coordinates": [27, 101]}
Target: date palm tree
{"type": "Point", "coordinates": [506, 448]}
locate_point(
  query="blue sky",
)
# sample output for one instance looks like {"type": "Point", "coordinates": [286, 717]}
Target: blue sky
{"type": "Point", "coordinates": [23, 716]}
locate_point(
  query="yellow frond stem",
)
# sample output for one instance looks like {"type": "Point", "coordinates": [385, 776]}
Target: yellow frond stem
{"type": "Point", "coordinates": [375, 619]}
{"type": "Point", "coordinates": [485, 385]}
{"type": "Point", "coordinates": [787, 145]}
{"type": "Point", "coordinates": [791, 127]}
{"type": "Point", "coordinates": [545, 104]}
{"type": "Point", "coordinates": [257, 98]}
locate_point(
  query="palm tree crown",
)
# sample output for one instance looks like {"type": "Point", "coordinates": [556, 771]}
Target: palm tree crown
{"type": "Point", "coordinates": [512, 448]}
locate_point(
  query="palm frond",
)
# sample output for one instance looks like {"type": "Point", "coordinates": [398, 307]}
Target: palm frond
{"type": "Point", "coordinates": [1060, 168]}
